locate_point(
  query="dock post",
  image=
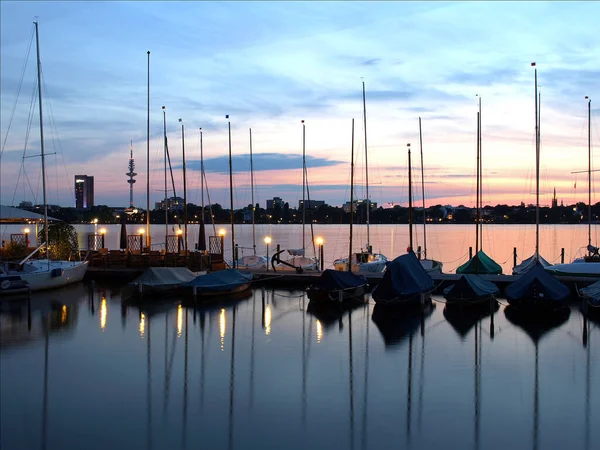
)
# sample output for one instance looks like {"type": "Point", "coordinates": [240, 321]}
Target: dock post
{"type": "Point", "coordinates": [514, 256]}
{"type": "Point", "coordinates": [562, 255]}
{"type": "Point", "coordinates": [321, 257]}
{"type": "Point", "coordinates": [340, 296]}
{"type": "Point", "coordinates": [470, 252]}
{"type": "Point", "coordinates": [419, 252]}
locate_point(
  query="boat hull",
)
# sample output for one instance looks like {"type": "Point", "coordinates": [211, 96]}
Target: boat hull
{"type": "Point", "coordinates": [38, 277]}
{"type": "Point", "coordinates": [353, 295]}
{"type": "Point", "coordinates": [576, 269]}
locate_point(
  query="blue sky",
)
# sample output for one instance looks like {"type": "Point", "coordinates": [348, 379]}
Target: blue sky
{"type": "Point", "coordinates": [270, 65]}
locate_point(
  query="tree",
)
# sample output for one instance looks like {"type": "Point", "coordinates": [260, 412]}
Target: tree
{"type": "Point", "coordinates": [62, 240]}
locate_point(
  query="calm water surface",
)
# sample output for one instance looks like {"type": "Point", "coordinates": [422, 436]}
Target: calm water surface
{"type": "Point", "coordinates": [87, 371]}
{"type": "Point", "coordinates": [447, 243]}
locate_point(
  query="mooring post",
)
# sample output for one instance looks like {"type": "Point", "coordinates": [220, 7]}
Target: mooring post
{"type": "Point", "coordinates": [562, 255]}
{"type": "Point", "coordinates": [514, 256]}
{"type": "Point", "coordinates": [419, 252]}
{"type": "Point", "coordinates": [470, 252]}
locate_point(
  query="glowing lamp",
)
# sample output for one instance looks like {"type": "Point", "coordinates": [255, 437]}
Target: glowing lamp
{"type": "Point", "coordinates": [320, 241]}
{"type": "Point", "coordinates": [141, 231]}
{"type": "Point", "coordinates": [222, 232]}
{"type": "Point", "coordinates": [26, 230]}
{"type": "Point", "coordinates": [102, 230]}
{"type": "Point", "coordinates": [267, 240]}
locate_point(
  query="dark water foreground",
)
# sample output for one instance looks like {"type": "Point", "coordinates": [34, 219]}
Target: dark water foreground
{"type": "Point", "coordinates": [77, 374]}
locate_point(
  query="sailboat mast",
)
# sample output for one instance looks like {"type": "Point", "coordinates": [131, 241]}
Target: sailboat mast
{"type": "Point", "coordinates": [349, 267]}
{"type": "Point", "coordinates": [166, 197]}
{"type": "Point", "coordinates": [201, 175]}
{"type": "Point", "coordinates": [148, 241]}
{"type": "Point", "coordinates": [366, 168]}
{"type": "Point", "coordinates": [480, 180]}
{"type": "Point", "coordinates": [303, 181]}
{"type": "Point", "coordinates": [477, 195]}
{"type": "Point", "coordinates": [410, 230]}
{"type": "Point", "coordinates": [185, 211]}
{"type": "Point", "coordinates": [252, 196]}
{"type": "Point", "coordinates": [39, 79]}
{"type": "Point", "coordinates": [423, 194]}
{"type": "Point", "coordinates": [231, 196]}
{"type": "Point", "coordinates": [537, 170]}
{"type": "Point", "coordinates": [589, 173]}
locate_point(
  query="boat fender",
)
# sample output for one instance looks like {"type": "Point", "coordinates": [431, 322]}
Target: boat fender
{"type": "Point", "coordinates": [55, 273]}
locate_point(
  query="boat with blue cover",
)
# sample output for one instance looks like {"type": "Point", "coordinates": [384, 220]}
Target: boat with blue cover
{"type": "Point", "coordinates": [470, 290]}
{"type": "Point", "coordinates": [336, 286]}
{"type": "Point", "coordinates": [537, 292]}
{"type": "Point", "coordinates": [405, 282]}
{"type": "Point", "coordinates": [219, 283]}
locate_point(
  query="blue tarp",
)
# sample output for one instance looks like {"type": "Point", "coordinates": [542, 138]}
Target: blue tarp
{"type": "Point", "coordinates": [222, 280]}
{"type": "Point", "coordinates": [470, 288]}
{"type": "Point", "coordinates": [537, 288]}
{"type": "Point", "coordinates": [331, 280]}
{"type": "Point", "coordinates": [592, 293]}
{"type": "Point", "coordinates": [404, 278]}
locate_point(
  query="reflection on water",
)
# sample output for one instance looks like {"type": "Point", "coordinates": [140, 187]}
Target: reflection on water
{"type": "Point", "coordinates": [276, 371]}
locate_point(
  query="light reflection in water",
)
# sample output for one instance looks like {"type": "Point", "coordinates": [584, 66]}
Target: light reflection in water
{"type": "Point", "coordinates": [179, 320]}
{"type": "Point", "coordinates": [268, 318]}
{"type": "Point", "coordinates": [319, 332]}
{"type": "Point", "coordinates": [142, 324]}
{"type": "Point", "coordinates": [103, 313]}
{"type": "Point", "coordinates": [222, 328]}
{"type": "Point", "coordinates": [63, 315]}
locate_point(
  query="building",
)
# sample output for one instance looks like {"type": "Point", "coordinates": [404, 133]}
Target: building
{"type": "Point", "coordinates": [358, 203]}
{"type": "Point", "coordinates": [84, 191]}
{"type": "Point", "coordinates": [175, 204]}
{"type": "Point", "coordinates": [311, 204]}
{"type": "Point", "coordinates": [25, 205]}
{"type": "Point", "coordinates": [554, 200]}
{"type": "Point", "coordinates": [274, 202]}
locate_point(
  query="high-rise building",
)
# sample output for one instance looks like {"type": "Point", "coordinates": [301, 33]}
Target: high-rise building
{"type": "Point", "coordinates": [84, 191]}
{"type": "Point", "coordinates": [131, 174]}
{"type": "Point", "coordinates": [276, 201]}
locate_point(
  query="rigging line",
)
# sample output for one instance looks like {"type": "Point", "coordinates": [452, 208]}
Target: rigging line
{"type": "Point", "coordinates": [312, 231]}
{"type": "Point", "coordinates": [210, 211]}
{"type": "Point", "coordinates": [18, 89]}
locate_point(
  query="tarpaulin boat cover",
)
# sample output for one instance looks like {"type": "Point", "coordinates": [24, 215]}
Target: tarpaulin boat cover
{"type": "Point", "coordinates": [537, 281]}
{"type": "Point", "coordinates": [158, 277]}
{"type": "Point", "coordinates": [404, 277]}
{"type": "Point", "coordinates": [592, 292]}
{"type": "Point", "coordinates": [221, 280]}
{"type": "Point", "coordinates": [331, 280]}
{"type": "Point", "coordinates": [480, 264]}
{"type": "Point", "coordinates": [529, 264]}
{"type": "Point", "coordinates": [470, 287]}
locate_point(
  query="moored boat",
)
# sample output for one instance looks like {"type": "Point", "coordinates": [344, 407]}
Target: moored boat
{"type": "Point", "coordinates": [219, 283]}
{"type": "Point", "coordinates": [470, 291]}
{"type": "Point", "coordinates": [162, 280]}
{"type": "Point", "coordinates": [334, 286]}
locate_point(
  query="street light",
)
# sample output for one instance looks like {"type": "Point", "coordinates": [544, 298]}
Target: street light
{"type": "Point", "coordinates": [320, 241]}
{"type": "Point", "coordinates": [102, 233]}
{"type": "Point", "coordinates": [267, 241]}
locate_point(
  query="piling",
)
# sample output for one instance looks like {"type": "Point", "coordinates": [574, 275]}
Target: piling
{"type": "Point", "coordinates": [419, 252]}
{"type": "Point", "coordinates": [562, 255]}
{"type": "Point", "coordinates": [470, 252]}
{"type": "Point", "coordinates": [514, 256]}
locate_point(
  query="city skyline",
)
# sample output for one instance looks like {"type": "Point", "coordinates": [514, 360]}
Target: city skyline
{"type": "Point", "coordinates": [304, 61]}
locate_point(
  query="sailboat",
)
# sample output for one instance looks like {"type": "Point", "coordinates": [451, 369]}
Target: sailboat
{"type": "Point", "coordinates": [299, 261]}
{"type": "Point", "coordinates": [335, 286]}
{"type": "Point", "coordinates": [480, 263]}
{"type": "Point", "coordinates": [365, 260]}
{"type": "Point", "coordinates": [536, 258]}
{"type": "Point", "coordinates": [40, 274]}
{"type": "Point", "coordinates": [430, 265]}
{"type": "Point", "coordinates": [252, 262]}
{"type": "Point", "coordinates": [588, 265]}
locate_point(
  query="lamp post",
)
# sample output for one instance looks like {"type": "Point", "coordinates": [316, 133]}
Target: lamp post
{"type": "Point", "coordinates": [102, 233]}
{"type": "Point", "coordinates": [185, 211]}
{"type": "Point", "coordinates": [222, 233]}
{"type": "Point", "coordinates": [179, 233]}
{"type": "Point", "coordinates": [26, 231]}
{"type": "Point", "coordinates": [267, 241]}
{"type": "Point", "coordinates": [141, 232]}
{"type": "Point", "coordinates": [320, 241]}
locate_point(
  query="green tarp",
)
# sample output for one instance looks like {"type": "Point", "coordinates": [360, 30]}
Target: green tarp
{"type": "Point", "coordinates": [480, 264]}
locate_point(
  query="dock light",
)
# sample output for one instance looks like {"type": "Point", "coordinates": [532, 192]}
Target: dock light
{"type": "Point", "coordinates": [95, 221]}
{"type": "Point", "coordinates": [179, 232]}
{"type": "Point", "coordinates": [26, 230]}
{"type": "Point", "coordinates": [267, 241]}
{"type": "Point", "coordinates": [141, 231]}
{"type": "Point", "coordinates": [222, 232]}
{"type": "Point", "coordinates": [102, 230]}
{"type": "Point", "coordinates": [321, 262]}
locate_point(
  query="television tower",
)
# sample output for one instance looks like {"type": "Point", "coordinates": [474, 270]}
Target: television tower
{"type": "Point", "coordinates": [131, 174]}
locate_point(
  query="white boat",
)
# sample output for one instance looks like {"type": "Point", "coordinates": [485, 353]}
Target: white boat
{"type": "Point", "coordinates": [252, 262]}
{"type": "Point", "coordinates": [364, 261]}
{"type": "Point", "coordinates": [586, 266]}
{"type": "Point", "coordinates": [36, 275]}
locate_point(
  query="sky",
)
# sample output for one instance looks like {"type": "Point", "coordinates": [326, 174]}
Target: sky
{"type": "Point", "coordinates": [270, 65]}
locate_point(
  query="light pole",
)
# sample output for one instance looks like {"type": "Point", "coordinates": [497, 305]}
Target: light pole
{"type": "Point", "coordinates": [222, 233]}
{"type": "Point", "coordinates": [102, 233]}
{"type": "Point", "coordinates": [185, 211]}
{"type": "Point", "coordinates": [320, 241]}
{"type": "Point", "coordinates": [179, 233]}
{"type": "Point", "coordinates": [267, 241]}
{"type": "Point", "coordinates": [141, 232]}
{"type": "Point", "coordinates": [26, 231]}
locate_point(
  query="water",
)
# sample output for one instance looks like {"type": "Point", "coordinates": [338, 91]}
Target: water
{"type": "Point", "coordinates": [445, 242]}
{"type": "Point", "coordinates": [94, 373]}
